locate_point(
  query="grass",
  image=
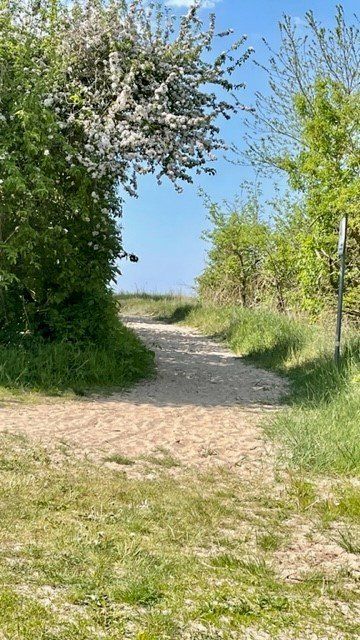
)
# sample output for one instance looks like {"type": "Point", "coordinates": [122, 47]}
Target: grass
{"type": "Point", "coordinates": [55, 368]}
{"type": "Point", "coordinates": [171, 308]}
{"type": "Point", "coordinates": [350, 541]}
{"type": "Point", "coordinates": [320, 429]}
{"type": "Point", "coordinates": [119, 459]}
{"type": "Point", "coordinates": [162, 458]}
{"type": "Point", "coordinates": [89, 553]}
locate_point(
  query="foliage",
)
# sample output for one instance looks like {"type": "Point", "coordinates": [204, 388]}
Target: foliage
{"type": "Point", "coordinates": [253, 257]}
{"type": "Point", "coordinates": [53, 281]}
{"type": "Point", "coordinates": [320, 429]}
{"type": "Point", "coordinates": [136, 89]}
{"type": "Point", "coordinates": [91, 95]}
{"type": "Point", "coordinates": [238, 240]}
{"type": "Point", "coordinates": [307, 126]}
{"type": "Point", "coordinates": [280, 272]}
{"type": "Point", "coordinates": [308, 52]}
{"type": "Point", "coordinates": [327, 172]}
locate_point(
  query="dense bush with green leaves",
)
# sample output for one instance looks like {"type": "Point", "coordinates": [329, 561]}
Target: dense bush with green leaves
{"type": "Point", "coordinates": [53, 283]}
{"type": "Point", "coordinates": [326, 172]}
{"type": "Point", "coordinates": [238, 242]}
{"type": "Point", "coordinates": [252, 258]}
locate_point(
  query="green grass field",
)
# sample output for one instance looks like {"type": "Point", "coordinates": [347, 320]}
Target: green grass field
{"type": "Point", "coordinates": [89, 553]}
{"type": "Point", "coordinates": [320, 430]}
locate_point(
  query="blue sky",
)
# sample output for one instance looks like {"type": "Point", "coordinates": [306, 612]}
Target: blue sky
{"type": "Point", "coordinates": [163, 227]}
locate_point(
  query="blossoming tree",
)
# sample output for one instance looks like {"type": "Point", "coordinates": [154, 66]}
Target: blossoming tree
{"type": "Point", "coordinates": [92, 95]}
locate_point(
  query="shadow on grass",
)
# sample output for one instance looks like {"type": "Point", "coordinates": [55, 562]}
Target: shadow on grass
{"type": "Point", "coordinates": [288, 347]}
{"type": "Point", "coordinates": [55, 368]}
{"type": "Point", "coordinates": [179, 314]}
{"type": "Point", "coordinates": [315, 379]}
{"type": "Point", "coordinates": [276, 356]}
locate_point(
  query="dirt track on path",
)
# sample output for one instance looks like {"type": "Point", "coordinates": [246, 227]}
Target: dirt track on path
{"type": "Point", "coordinates": [202, 409]}
{"type": "Point", "coordinates": [204, 406]}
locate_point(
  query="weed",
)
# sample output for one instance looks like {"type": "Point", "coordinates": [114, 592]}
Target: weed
{"type": "Point", "coordinates": [349, 540]}
{"type": "Point", "coordinates": [269, 541]}
{"type": "Point", "coordinates": [162, 458]}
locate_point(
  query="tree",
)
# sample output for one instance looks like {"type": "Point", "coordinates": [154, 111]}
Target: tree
{"type": "Point", "coordinates": [307, 127]}
{"type": "Point", "coordinates": [52, 281]}
{"type": "Point", "coordinates": [280, 273]}
{"type": "Point", "coordinates": [327, 172]}
{"type": "Point", "coordinates": [92, 95]}
{"type": "Point", "coordinates": [254, 249]}
{"type": "Point", "coordinates": [238, 241]}
{"type": "Point", "coordinates": [136, 94]}
{"type": "Point", "coordinates": [308, 52]}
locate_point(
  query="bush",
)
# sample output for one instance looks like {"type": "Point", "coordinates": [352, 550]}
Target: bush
{"type": "Point", "coordinates": [69, 73]}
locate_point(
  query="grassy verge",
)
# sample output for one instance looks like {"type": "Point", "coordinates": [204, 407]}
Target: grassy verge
{"type": "Point", "coordinates": [59, 367]}
{"type": "Point", "coordinates": [321, 429]}
{"type": "Point", "coordinates": [89, 553]}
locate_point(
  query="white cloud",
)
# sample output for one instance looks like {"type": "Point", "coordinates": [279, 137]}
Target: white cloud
{"type": "Point", "coordinates": [206, 4]}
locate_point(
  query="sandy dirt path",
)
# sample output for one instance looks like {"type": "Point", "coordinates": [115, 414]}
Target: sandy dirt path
{"type": "Point", "coordinates": [203, 406]}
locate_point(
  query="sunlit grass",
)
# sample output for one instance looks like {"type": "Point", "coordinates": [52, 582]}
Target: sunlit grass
{"type": "Point", "coordinates": [88, 553]}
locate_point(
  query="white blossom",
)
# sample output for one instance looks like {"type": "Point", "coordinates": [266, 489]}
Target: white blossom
{"type": "Point", "coordinates": [143, 102]}
{"type": "Point", "coordinates": [134, 93]}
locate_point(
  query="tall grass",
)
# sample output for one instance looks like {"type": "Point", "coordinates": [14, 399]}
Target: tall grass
{"type": "Point", "coordinates": [320, 428]}
{"type": "Point", "coordinates": [171, 308]}
{"type": "Point", "coordinates": [55, 367]}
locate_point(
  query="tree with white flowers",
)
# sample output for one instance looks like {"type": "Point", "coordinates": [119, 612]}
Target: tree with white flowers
{"type": "Point", "coordinates": [92, 95]}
